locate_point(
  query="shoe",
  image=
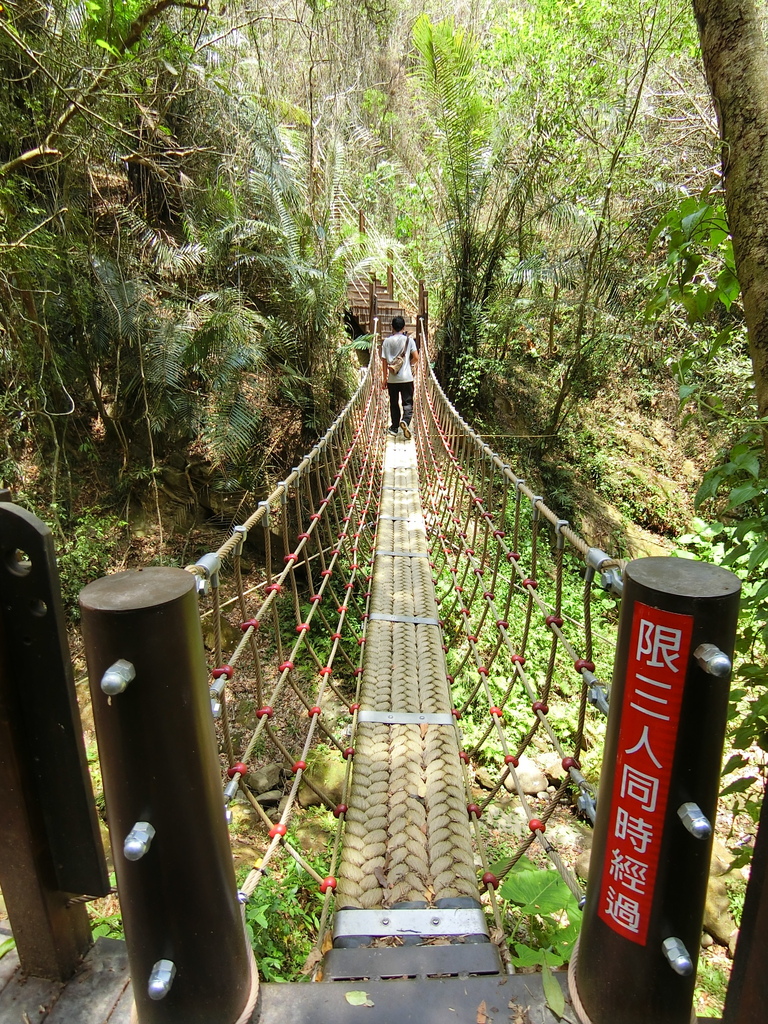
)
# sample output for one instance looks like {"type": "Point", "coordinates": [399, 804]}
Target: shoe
{"type": "Point", "coordinates": [406, 430]}
{"type": "Point", "coordinates": [392, 431]}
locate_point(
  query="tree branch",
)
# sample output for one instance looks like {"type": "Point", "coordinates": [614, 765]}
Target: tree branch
{"type": "Point", "coordinates": [75, 105]}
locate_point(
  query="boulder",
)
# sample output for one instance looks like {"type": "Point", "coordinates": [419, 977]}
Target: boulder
{"type": "Point", "coordinates": [532, 779]}
{"type": "Point", "coordinates": [326, 770]}
{"type": "Point", "coordinates": [265, 778]}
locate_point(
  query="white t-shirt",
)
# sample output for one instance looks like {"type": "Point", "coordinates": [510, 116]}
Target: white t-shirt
{"type": "Point", "coordinates": [391, 348]}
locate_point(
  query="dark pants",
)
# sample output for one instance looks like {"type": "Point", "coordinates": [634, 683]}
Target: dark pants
{"type": "Point", "coordinates": [397, 392]}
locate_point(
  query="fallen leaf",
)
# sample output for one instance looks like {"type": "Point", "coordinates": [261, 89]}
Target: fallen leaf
{"type": "Point", "coordinates": [381, 876]}
{"type": "Point", "coordinates": [424, 730]}
{"type": "Point", "coordinates": [482, 1016]}
{"type": "Point", "coordinates": [519, 1014]}
{"type": "Point", "coordinates": [358, 999]}
{"type": "Point", "coordinates": [311, 962]}
{"type": "Point", "coordinates": [327, 943]}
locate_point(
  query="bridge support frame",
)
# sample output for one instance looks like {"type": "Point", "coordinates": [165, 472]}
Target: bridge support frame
{"type": "Point", "coordinates": [50, 847]}
{"type": "Point", "coordinates": [658, 796]}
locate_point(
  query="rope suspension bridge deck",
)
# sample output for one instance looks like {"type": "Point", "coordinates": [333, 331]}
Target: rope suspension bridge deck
{"type": "Point", "coordinates": [414, 611]}
{"type": "Point", "coordinates": [407, 844]}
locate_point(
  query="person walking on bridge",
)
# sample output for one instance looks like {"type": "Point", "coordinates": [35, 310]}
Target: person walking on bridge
{"type": "Point", "coordinates": [399, 357]}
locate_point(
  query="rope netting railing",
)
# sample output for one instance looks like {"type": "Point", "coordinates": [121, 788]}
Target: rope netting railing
{"type": "Point", "coordinates": [302, 645]}
{"type": "Point", "coordinates": [498, 558]}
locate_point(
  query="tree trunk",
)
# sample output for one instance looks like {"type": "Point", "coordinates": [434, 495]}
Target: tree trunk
{"type": "Point", "coordinates": [736, 65]}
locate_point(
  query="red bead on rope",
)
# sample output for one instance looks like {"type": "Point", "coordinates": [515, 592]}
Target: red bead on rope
{"type": "Point", "coordinates": [265, 712]}
{"type": "Point", "coordinates": [349, 752]}
{"type": "Point", "coordinates": [496, 711]}
{"type": "Point", "coordinates": [474, 809]}
{"type": "Point", "coordinates": [340, 809]}
{"type": "Point", "coordinates": [314, 711]}
{"type": "Point", "coordinates": [511, 759]}
{"type": "Point", "coordinates": [517, 659]}
{"type": "Point", "coordinates": [285, 665]}
{"type": "Point", "coordinates": [328, 883]}
{"type": "Point", "coordinates": [539, 705]}
{"type": "Point", "coordinates": [277, 830]}
{"type": "Point", "coordinates": [554, 620]}
{"type": "Point", "coordinates": [249, 624]}
{"type": "Point", "coordinates": [570, 762]}
{"type": "Point", "coordinates": [535, 825]}
{"type": "Point", "coordinates": [316, 598]}
{"type": "Point", "coordinates": [298, 766]}
{"type": "Point", "coordinates": [456, 713]}
{"type": "Point", "coordinates": [224, 670]}
{"type": "Point", "coordinates": [326, 670]}
{"type": "Point", "coordinates": [528, 582]}
{"type": "Point", "coordinates": [303, 627]}
{"type": "Point", "coordinates": [582, 664]}
{"type": "Point", "coordinates": [293, 557]}
{"type": "Point", "coordinates": [353, 708]}
{"type": "Point", "coordinates": [464, 756]}
{"type": "Point", "coordinates": [490, 881]}
{"type": "Point", "coordinates": [238, 768]}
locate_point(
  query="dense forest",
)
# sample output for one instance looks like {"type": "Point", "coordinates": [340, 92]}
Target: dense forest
{"type": "Point", "coordinates": [180, 190]}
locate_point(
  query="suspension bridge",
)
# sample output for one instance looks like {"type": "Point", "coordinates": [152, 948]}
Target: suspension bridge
{"type": "Point", "coordinates": [416, 620]}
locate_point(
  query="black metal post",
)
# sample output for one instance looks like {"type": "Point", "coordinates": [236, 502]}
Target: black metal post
{"type": "Point", "coordinates": [747, 997]}
{"type": "Point", "coordinates": [50, 846]}
{"type": "Point", "coordinates": [661, 770]}
{"type": "Point", "coordinates": [183, 926]}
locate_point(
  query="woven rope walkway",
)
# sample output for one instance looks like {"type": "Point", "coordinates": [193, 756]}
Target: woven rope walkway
{"type": "Point", "coordinates": [407, 837]}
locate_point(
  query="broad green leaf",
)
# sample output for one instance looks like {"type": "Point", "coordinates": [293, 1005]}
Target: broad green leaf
{"type": "Point", "coordinates": [6, 947]}
{"type": "Point", "coordinates": [527, 956]}
{"type": "Point", "coordinates": [728, 288]}
{"type": "Point", "coordinates": [708, 489]}
{"type": "Point", "coordinates": [358, 999]}
{"type": "Point", "coordinates": [537, 892]}
{"type": "Point", "coordinates": [739, 786]}
{"type": "Point", "coordinates": [743, 493]}
{"type": "Point", "coordinates": [691, 222]}
{"type": "Point", "coordinates": [749, 461]}
{"type": "Point", "coordinates": [734, 762]}
{"type": "Point", "coordinates": [552, 991]}
{"type": "Point", "coordinates": [758, 555]}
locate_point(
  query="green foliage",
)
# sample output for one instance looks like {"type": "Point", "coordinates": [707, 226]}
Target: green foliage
{"type": "Point", "coordinates": [711, 987]}
{"type": "Point", "coordinates": [91, 545]}
{"type": "Point", "coordinates": [699, 268]}
{"type": "Point", "coordinates": [546, 911]}
{"type": "Point", "coordinates": [738, 491]}
{"type": "Point", "coordinates": [281, 918]}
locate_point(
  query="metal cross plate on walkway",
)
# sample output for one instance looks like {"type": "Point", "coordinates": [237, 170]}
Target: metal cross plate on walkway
{"type": "Point", "coordinates": [499, 999]}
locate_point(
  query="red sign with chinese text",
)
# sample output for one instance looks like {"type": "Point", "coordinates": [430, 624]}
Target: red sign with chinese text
{"type": "Point", "coordinates": [650, 714]}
